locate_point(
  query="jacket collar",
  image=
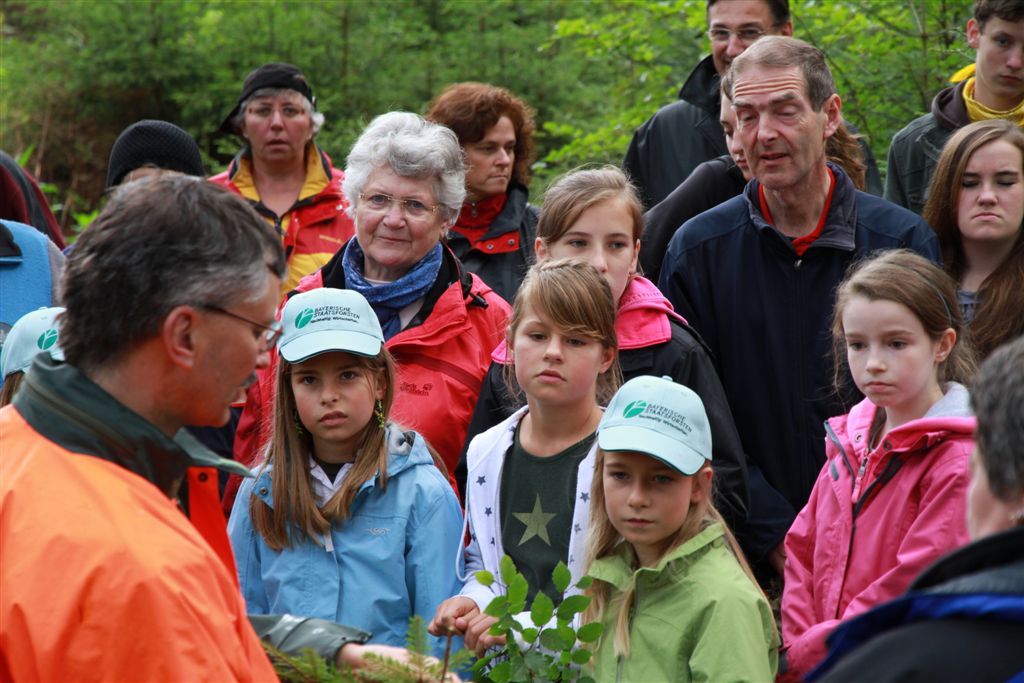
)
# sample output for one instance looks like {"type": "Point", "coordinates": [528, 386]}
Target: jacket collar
{"type": "Point", "coordinates": [619, 569]}
{"type": "Point", "coordinates": [702, 87]}
{"type": "Point", "coordinates": [840, 224]}
{"type": "Point", "coordinates": [509, 219]}
{"type": "Point", "coordinates": [948, 107]}
{"type": "Point", "coordinates": [405, 450]}
{"type": "Point", "coordinates": [66, 407]}
{"type": "Point", "coordinates": [451, 271]}
{"type": "Point", "coordinates": [1004, 549]}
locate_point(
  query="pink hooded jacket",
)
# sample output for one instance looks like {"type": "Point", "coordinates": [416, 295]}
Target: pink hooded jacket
{"type": "Point", "coordinates": [875, 519]}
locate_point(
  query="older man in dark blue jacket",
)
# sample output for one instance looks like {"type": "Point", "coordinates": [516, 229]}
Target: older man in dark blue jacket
{"type": "Point", "coordinates": [756, 275]}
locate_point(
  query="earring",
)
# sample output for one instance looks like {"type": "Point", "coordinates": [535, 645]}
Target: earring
{"type": "Point", "coordinates": [299, 431]}
{"type": "Point", "coordinates": [378, 412]}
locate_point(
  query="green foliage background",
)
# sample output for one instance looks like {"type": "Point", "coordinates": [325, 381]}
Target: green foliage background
{"type": "Point", "coordinates": [74, 73]}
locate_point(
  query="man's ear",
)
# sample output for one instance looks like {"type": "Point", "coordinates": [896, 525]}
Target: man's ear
{"type": "Point", "coordinates": [179, 333]}
{"type": "Point", "coordinates": [833, 117]}
{"type": "Point", "coordinates": [973, 33]}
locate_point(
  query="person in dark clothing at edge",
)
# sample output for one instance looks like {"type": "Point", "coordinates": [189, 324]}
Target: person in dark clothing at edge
{"type": "Point", "coordinates": [667, 148]}
{"type": "Point", "coordinates": [962, 619]}
{"type": "Point", "coordinates": [991, 88]}
{"type": "Point", "coordinates": [723, 178]}
{"type": "Point", "coordinates": [95, 453]}
{"type": "Point", "coordinates": [493, 235]}
{"type": "Point", "coordinates": [755, 276]}
{"type": "Point", "coordinates": [594, 214]}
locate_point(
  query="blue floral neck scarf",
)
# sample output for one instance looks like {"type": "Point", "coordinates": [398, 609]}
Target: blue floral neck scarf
{"type": "Point", "coordinates": [390, 298]}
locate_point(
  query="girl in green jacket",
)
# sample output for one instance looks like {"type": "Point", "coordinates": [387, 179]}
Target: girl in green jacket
{"type": "Point", "coordinates": [671, 586]}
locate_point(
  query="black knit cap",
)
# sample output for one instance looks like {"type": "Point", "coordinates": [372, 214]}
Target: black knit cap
{"type": "Point", "coordinates": [274, 75]}
{"type": "Point", "coordinates": [159, 143]}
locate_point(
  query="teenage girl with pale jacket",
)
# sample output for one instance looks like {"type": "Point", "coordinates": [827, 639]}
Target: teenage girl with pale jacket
{"type": "Point", "coordinates": [890, 498]}
{"type": "Point", "coordinates": [595, 215]}
{"type": "Point", "coordinates": [529, 476]}
{"type": "Point", "coordinates": [349, 519]}
{"type": "Point", "coordinates": [675, 595]}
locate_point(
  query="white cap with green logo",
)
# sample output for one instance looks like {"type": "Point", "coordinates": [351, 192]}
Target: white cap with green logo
{"type": "Point", "coordinates": [32, 334]}
{"type": "Point", "coordinates": [656, 416]}
{"type": "Point", "coordinates": [328, 319]}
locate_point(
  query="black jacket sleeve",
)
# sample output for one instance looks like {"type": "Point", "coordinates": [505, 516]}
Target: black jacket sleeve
{"type": "Point", "coordinates": [687, 361]}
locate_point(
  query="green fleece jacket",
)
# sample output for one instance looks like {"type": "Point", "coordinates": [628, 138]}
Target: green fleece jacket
{"type": "Point", "coordinates": [696, 617]}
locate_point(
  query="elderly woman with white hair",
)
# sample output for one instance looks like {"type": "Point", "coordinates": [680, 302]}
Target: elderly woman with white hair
{"type": "Point", "coordinates": [405, 183]}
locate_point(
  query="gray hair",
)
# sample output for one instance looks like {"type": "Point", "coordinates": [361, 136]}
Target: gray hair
{"type": "Point", "coordinates": [411, 147]}
{"type": "Point", "coordinates": [316, 117]}
{"type": "Point", "coordinates": [161, 242]}
{"type": "Point", "coordinates": [997, 398]}
{"type": "Point", "coordinates": [783, 52]}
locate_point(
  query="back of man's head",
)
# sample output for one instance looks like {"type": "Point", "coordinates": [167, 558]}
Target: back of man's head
{"type": "Point", "coordinates": [783, 52]}
{"type": "Point", "coordinates": [997, 397]}
{"type": "Point", "coordinates": [778, 8]}
{"type": "Point", "coordinates": [161, 242]}
{"type": "Point", "coordinates": [1007, 10]}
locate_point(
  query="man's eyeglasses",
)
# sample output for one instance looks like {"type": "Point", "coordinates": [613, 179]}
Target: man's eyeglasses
{"type": "Point", "coordinates": [744, 35]}
{"type": "Point", "coordinates": [378, 202]}
{"type": "Point", "coordinates": [271, 332]}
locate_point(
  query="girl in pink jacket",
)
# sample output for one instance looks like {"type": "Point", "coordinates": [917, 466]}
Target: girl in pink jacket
{"type": "Point", "coordinates": [891, 496]}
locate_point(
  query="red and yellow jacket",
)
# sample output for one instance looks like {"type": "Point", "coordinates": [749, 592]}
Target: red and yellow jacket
{"type": "Point", "coordinates": [315, 227]}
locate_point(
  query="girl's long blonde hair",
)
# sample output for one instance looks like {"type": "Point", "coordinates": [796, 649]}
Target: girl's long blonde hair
{"type": "Point", "coordinates": [603, 538]}
{"type": "Point", "coordinates": [296, 511]}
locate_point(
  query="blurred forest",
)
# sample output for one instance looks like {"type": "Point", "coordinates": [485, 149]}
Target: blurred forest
{"type": "Point", "coordinates": [74, 73]}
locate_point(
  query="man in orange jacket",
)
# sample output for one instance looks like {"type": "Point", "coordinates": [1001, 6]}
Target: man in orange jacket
{"type": "Point", "coordinates": [173, 292]}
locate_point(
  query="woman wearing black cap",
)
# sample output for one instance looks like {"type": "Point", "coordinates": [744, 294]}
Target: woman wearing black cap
{"type": "Point", "coordinates": [282, 172]}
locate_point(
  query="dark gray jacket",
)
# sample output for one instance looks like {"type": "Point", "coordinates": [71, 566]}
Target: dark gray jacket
{"type": "Point", "coordinates": [502, 270]}
{"type": "Point", "coordinates": [915, 150]}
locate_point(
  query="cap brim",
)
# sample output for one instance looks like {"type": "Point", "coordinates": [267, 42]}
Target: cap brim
{"type": "Point", "coordinates": [324, 341]}
{"type": "Point", "coordinates": [226, 126]}
{"type": "Point", "coordinates": [674, 454]}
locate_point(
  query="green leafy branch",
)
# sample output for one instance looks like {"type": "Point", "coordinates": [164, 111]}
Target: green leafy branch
{"type": "Point", "coordinates": [545, 651]}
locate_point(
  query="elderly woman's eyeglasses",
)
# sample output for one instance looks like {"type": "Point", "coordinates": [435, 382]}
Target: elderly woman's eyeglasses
{"type": "Point", "coordinates": [271, 332]}
{"type": "Point", "coordinates": [379, 202]}
{"type": "Point", "coordinates": [746, 36]}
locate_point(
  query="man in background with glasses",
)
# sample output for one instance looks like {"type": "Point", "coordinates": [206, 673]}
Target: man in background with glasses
{"type": "Point", "coordinates": [686, 133]}
{"type": "Point", "coordinates": [281, 171]}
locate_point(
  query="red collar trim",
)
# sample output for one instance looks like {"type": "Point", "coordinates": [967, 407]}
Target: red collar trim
{"type": "Point", "coordinates": [801, 244]}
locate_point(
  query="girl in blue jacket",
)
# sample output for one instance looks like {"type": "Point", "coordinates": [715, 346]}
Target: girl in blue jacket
{"type": "Point", "coordinates": [349, 518]}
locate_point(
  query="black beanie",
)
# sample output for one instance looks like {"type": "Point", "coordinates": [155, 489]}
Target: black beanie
{"type": "Point", "coordinates": [158, 143]}
{"type": "Point", "coordinates": [273, 75]}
